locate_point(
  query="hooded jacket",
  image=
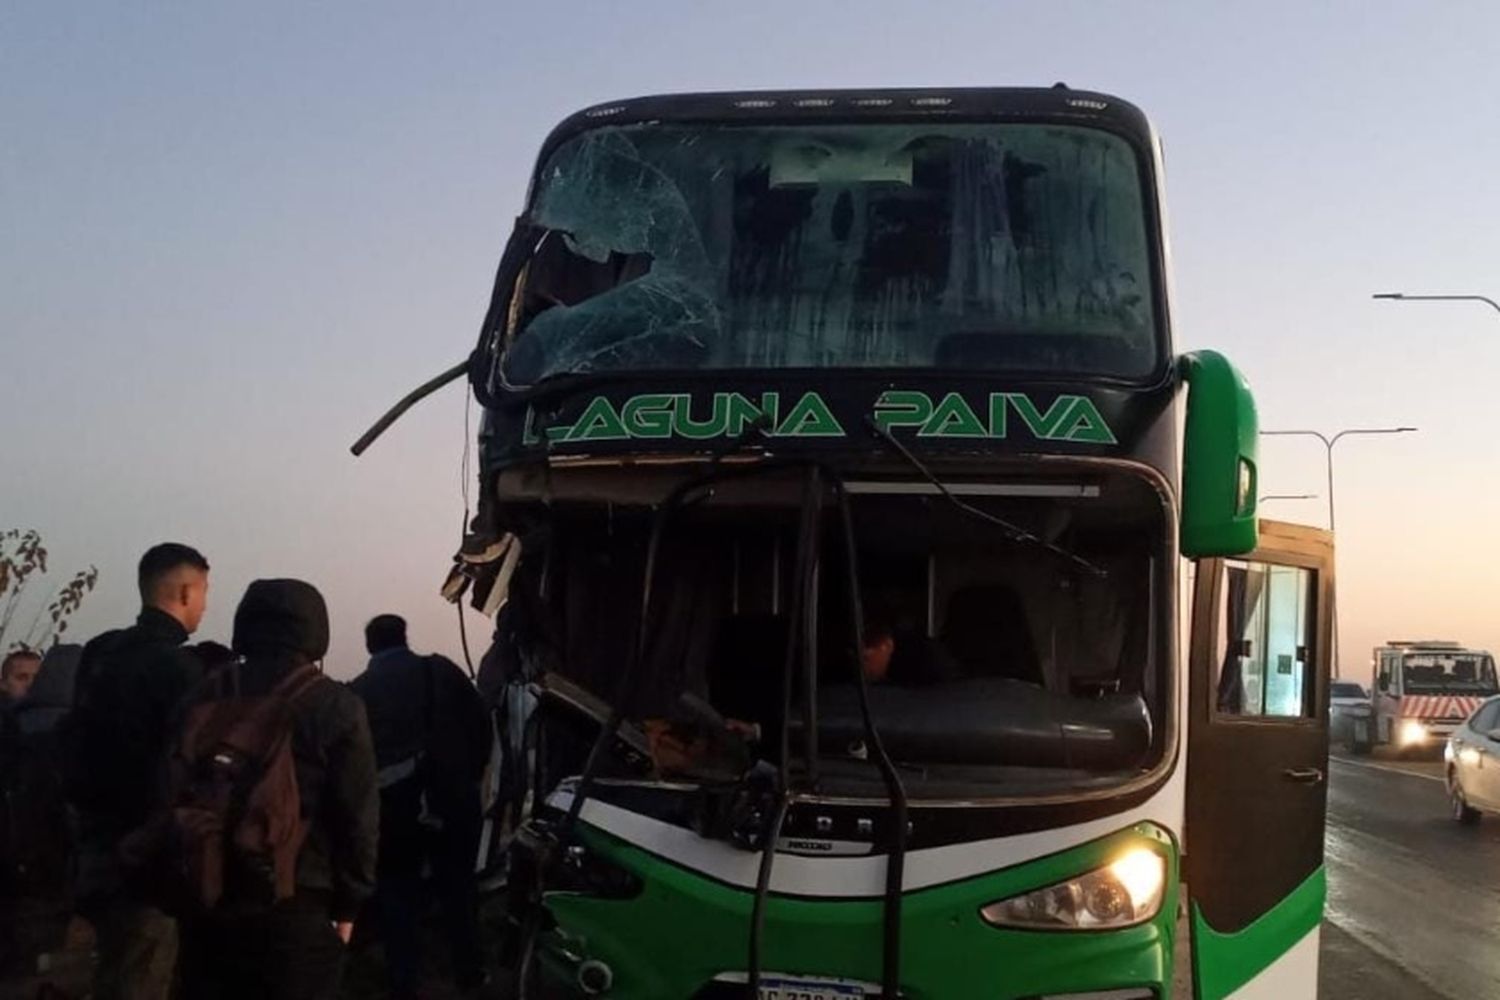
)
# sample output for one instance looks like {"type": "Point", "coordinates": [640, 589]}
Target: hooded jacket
{"type": "Point", "coordinates": [279, 626]}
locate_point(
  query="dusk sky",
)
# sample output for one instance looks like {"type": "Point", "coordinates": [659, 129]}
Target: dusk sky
{"type": "Point", "coordinates": [231, 236]}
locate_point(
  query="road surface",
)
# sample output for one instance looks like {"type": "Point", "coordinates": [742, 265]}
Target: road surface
{"type": "Point", "coordinates": [1413, 898]}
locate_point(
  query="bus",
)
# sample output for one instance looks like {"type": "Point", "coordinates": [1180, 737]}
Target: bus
{"type": "Point", "coordinates": [1422, 691]}
{"type": "Point", "coordinates": [881, 589]}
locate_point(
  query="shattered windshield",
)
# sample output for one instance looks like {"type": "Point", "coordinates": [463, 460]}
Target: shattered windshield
{"type": "Point", "coordinates": [944, 245]}
{"type": "Point", "coordinates": [989, 670]}
{"type": "Point", "coordinates": [1449, 673]}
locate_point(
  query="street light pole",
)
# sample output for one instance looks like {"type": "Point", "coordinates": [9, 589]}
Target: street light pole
{"type": "Point", "coordinates": [1403, 297]}
{"type": "Point", "coordinates": [1328, 444]}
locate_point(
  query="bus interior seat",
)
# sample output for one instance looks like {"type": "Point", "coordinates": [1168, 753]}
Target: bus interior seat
{"type": "Point", "coordinates": [987, 633]}
{"type": "Point", "coordinates": [920, 662]}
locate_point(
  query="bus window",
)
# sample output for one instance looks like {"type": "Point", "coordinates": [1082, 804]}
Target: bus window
{"type": "Point", "coordinates": [1265, 621]}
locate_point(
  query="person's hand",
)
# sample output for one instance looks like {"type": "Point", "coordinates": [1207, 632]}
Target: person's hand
{"type": "Point", "coordinates": [749, 730]}
{"type": "Point", "coordinates": [670, 752]}
{"type": "Point", "coordinates": [344, 929]}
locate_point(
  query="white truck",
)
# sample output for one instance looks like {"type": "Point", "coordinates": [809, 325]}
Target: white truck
{"type": "Point", "coordinates": [1422, 691]}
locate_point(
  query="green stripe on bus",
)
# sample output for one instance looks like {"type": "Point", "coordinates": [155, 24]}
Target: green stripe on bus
{"type": "Point", "coordinates": [684, 929]}
{"type": "Point", "coordinates": [1222, 963]}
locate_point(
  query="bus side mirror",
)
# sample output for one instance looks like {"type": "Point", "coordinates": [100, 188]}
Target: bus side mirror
{"type": "Point", "coordinates": [1218, 460]}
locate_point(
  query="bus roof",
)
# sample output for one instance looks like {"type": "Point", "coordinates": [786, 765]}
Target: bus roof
{"type": "Point", "coordinates": [1059, 103]}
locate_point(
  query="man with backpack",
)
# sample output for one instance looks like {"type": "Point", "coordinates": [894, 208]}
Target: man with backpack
{"type": "Point", "coordinates": [432, 741]}
{"type": "Point", "coordinates": [274, 811]}
{"type": "Point", "coordinates": [129, 681]}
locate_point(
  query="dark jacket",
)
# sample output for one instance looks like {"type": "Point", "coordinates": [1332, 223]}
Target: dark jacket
{"type": "Point", "coordinates": [280, 625]}
{"type": "Point", "coordinates": [51, 694]}
{"type": "Point", "coordinates": [128, 686]}
{"type": "Point", "coordinates": [426, 704]}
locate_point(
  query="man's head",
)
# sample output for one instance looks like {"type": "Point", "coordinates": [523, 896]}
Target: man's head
{"type": "Point", "coordinates": [174, 579]}
{"type": "Point", "coordinates": [281, 618]}
{"type": "Point", "coordinates": [17, 672]}
{"type": "Point", "coordinates": [385, 632]}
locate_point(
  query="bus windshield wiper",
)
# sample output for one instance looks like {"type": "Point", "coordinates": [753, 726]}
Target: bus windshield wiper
{"type": "Point", "coordinates": [1016, 532]}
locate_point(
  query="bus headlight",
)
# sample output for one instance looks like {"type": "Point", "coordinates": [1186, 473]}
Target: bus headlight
{"type": "Point", "coordinates": [1411, 733]}
{"type": "Point", "coordinates": [1127, 891]}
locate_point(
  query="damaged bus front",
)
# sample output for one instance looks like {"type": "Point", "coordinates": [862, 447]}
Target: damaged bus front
{"type": "Point", "coordinates": [878, 573]}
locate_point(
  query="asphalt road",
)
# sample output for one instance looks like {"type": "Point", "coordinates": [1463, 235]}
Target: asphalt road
{"type": "Point", "coordinates": [1413, 898]}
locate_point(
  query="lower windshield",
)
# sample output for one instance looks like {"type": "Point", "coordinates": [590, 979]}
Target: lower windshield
{"type": "Point", "coordinates": [994, 667]}
{"type": "Point", "coordinates": [1448, 673]}
{"type": "Point", "coordinates": [935, 244]}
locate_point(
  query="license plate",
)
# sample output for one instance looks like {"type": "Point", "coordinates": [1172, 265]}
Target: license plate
{"type": "Point", "coordinates": [808, 989]}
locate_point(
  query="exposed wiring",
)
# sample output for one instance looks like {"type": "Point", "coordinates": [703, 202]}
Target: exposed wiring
{"type": "Point", "coordinates": [679, 496]}
{"type": "Point", "coordinates": [627, 676]}
{"type": "Point", "coordinates": [805, 577]}
{"type": "Point", "coordinates": [1016, 531]}
{"type": "Point", "coordinates": [463, 532]}
{"type": "Point", "coordinates": [895, 867]}
{"type": "Point", "coordinates": [463, 637]}
{"type": "Point", "coordinates": [762, 891]}
{"type": "Point", "coordinates": [463, 468]}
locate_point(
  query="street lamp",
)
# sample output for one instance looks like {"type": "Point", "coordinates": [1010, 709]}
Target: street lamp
{"type": "Point", "coordinates": [1328, 443]}
{"type": "Point", "coordinates": [1403, 297]}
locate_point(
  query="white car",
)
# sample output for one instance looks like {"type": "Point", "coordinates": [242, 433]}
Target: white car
{"type": "Point", "coordinates": [1472, 764]}
{"type": "Point", "coordinates": [1347, 701]}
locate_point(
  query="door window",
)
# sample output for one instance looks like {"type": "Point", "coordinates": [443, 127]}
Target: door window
{"type": "Point", "coordinates": [1264, 648]}
{"type": "Point", "coordinates": [1389, 672]}
{"type": "Point", "coordinates": [1484, 719]}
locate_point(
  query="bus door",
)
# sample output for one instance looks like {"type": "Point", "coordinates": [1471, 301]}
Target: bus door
{"type": "Point", "coordinates": [1257, 765]}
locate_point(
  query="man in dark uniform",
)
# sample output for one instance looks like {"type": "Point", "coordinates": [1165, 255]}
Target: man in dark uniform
{"type": "Point", "coordinates": [129, 682]}
{"type": "Point", "coordinates": [432, 742]}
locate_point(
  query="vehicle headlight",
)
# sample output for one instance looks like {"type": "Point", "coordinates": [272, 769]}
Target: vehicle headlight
{"type": "Point", "coordinates": [1411, 732]}
{"type": "Point", "coordinates": [1126, 891]}
{"type": "Point", "coordinates": [1469, 757]}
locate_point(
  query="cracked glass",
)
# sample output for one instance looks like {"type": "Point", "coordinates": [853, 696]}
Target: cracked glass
{"type": "Point", "coordinates": [915, 245]}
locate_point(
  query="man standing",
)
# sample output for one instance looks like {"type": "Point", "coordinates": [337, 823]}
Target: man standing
{"type": "Point", "coordinates": [129, 683]}
{"type": "Point", "coordinates": [17, 672]}
{"type": "Point", "coordinates": [293, 948]}
{"type": "Point", "coordinates": [432, 741]}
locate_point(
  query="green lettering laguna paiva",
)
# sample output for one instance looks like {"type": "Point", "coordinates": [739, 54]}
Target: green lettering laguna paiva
{"type": "Point", "coordinates": [665, 416]}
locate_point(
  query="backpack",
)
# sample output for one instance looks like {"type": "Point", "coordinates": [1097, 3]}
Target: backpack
{"type": "Point", "coordinates": [234, 819]}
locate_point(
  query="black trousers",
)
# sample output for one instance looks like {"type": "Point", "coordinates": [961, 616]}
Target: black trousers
{"type": "Point", "coordinates": [290, 952]}
{"type": "Point", "coordinates": [406, 849]}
